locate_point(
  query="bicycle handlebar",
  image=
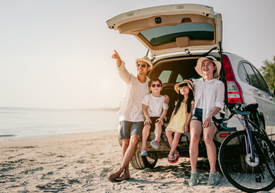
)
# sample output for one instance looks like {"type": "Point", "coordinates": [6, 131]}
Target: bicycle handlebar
{"type": "Point", "coordinates": [237, 106]}
{"type": "Point", "coordinates": [233, 112]}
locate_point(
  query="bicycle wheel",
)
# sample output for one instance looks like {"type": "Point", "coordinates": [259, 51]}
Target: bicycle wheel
{"type": "Point", "coordinates": [238, 168]}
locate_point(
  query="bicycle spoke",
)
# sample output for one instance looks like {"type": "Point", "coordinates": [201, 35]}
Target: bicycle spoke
{"type": "Point", "coordinates": [238, 167]}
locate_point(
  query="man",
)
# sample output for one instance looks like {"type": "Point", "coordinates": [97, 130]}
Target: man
{"type": "Point", "coordinates": [130, 114]}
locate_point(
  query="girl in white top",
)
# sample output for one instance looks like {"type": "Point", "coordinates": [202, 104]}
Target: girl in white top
{"type": "Point", "coordinates": [208, 102]}
{"type": "Point", "coordinates": [154, 110]}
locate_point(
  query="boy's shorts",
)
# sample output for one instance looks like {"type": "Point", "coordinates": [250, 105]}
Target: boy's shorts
{"type": "Point", "coordinates": [128, 128]}
{"type": "Point", "coordinates": [153, 119]}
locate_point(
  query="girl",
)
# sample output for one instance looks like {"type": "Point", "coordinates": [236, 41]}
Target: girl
{"type": "Point", "coordinates": [180, 118]}
{"type": "Point", "coordinates": [209, 102]}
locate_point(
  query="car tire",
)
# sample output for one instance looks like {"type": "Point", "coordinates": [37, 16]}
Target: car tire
{"type": "Point", "coordinates": [142, 162]}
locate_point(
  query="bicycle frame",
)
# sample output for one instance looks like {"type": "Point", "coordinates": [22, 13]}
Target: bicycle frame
{"type": "Point", "coordinates": [249, 141]}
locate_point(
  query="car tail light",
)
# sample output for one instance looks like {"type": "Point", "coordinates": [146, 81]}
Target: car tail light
{"type": "Point", "coordinates": [224, 134]}
{"type": "Point", "coordinates": [234, 92]}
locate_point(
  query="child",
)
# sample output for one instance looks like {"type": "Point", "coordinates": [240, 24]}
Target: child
{"type": "Point", "coordinates": [180, 118]}
{"type": "Point", "coordinates": [154, 110]}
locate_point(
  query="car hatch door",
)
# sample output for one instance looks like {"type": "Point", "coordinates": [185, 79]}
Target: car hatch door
{"type": "Point", "coordinates": [172, 28]}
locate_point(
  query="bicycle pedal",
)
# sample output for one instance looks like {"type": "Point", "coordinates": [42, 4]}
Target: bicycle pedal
{"type": "Point", "coordinates": [258, 178]}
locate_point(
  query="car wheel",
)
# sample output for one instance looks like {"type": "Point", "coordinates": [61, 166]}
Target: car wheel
{"type": "Point", "coordinates": [142, 162]}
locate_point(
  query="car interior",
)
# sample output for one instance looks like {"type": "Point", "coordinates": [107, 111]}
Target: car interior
{"type": "Point", "coordinates": [173, 71]}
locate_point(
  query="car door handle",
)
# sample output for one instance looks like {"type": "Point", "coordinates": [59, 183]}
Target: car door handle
{"type": "Point", "coordinates": [270, 98]}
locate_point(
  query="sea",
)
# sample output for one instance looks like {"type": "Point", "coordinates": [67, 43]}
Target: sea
{"type": "Point", "coordinates": [24, 123]}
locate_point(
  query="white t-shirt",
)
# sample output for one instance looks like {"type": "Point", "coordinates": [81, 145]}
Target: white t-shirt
{"type": "Point", "coordinates": [131, 107]}
{"type": "Point", "coordinates": [155, 105]}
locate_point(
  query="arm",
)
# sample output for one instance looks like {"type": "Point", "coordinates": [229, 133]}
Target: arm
{"type": "Point", "coordinates": [166, 99]}
{"type": "Point", "coordinates": [186, 127]}
{"type": "Point", "coordinates": [117, 58]}
{"type": "Point", "coordinates": [218, 104]}
{"type": "Point", "coordinates": [160, 120]}
{"type": "Point", "coordinates": [122, 71]}
{"type": "Point", "coordinates": [208, 119]}
{"type": "Point", "coordinates": [145, 113]}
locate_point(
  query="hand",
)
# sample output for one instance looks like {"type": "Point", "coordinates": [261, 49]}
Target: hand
{"type": "Point", "coordinates": [186, 129]}
{"type": "Point", "coordinates": [115, 55]}
{"type": "Point", "coordinates": [166, 99]}
{"type": "Point", "coordinates": [160, 121]}
{"type": "Point", "coordinates": [147, 121]}
{"type": "Point", "coordinates": [206, 123]}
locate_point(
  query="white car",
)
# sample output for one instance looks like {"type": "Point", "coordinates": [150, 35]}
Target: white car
{"type": "Point", "coordinates": [176, 36]}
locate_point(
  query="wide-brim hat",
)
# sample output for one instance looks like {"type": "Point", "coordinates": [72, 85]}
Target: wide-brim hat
{"type": "Point", "coordinates": [213, 60]}
{"type": "Point", "coordinates": [145, 59]}
{"type": "Point", "coordinates": [189, 84]}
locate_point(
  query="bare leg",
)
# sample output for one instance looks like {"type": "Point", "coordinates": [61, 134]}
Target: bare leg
{"type": "Point", "coordinates": [195, 133]}
{"type": "Point", "coordinates": [169, 137]}
{"type": "Point", "coordinates": [208, 135]}
{"type": "Point", "coordinates": [158, 131]}
{"type": "Point", "coordinates": [125, 145]}
{"type": "Point", "coordinates": [126, 159]}
{"type": "Point", "coordinates": [175, 143]}
{"type": "Point", "coordinates": [145, 134]}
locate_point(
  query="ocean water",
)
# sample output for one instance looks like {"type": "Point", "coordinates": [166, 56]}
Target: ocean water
{"type": "Point", "coordinates": [20, 123]}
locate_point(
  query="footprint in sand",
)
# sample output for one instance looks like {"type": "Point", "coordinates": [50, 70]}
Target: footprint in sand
{"type": "Point", "coordinates": [45, 175]}
{"type": "Point", "coordinates": [31, 171]}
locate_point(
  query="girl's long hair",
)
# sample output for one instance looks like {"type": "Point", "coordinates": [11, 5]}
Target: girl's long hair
{"type": "Point", "coordinates": [181, 98]}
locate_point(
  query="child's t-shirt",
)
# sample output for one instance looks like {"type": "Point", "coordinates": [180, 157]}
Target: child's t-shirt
{"type": "Point", "coordinates": [155, 105]}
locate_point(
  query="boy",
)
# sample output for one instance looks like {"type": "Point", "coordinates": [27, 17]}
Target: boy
{"type": "Point", "coordinates": [154, 110]}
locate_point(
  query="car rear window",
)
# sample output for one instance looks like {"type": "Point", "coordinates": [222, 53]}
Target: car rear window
{"type": "Point", "coordinates": [165, 34]}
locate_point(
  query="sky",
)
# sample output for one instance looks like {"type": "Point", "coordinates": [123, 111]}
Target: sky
{"type": "Point", "coordinates": [57, 53]}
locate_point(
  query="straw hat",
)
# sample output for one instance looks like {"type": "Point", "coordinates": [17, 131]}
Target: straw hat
{"type": "Point", "coordinates": [188, 82]}
{"type": "Point", "coordinates": [213, 60]}
{"type": "Point", "coordinates": [145, 59]}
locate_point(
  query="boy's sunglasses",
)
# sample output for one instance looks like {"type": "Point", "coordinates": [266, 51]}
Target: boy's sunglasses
{"type": "Point", "coordinates": [142, 65]}
{"type": "Point", "coordinates": [157, 85]}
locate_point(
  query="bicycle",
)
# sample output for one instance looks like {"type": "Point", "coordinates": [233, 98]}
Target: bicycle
{"type": "Point", "coordinates": [247, 158]}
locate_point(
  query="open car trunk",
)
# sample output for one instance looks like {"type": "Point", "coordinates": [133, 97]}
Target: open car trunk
{"type": "Point", "coordinates": [172, 28]}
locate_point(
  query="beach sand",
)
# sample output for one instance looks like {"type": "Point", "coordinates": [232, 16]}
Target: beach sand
{"type": "Point", "coordinates": [80, 163]}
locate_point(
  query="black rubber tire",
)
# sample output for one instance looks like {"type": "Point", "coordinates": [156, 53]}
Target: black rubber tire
{"type": "Point", "coordinates": [223, 165]}
{"type": "Point", "coordinates": [142, 162]}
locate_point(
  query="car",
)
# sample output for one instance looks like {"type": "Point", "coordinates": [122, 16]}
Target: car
{"type": "Point", "coordinates": [176, 36]}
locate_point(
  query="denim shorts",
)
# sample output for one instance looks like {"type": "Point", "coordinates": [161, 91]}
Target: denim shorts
{"type": "Point", "coordinates": [128, 128]}
{"type": "Point", "coordinates": [198, 115]}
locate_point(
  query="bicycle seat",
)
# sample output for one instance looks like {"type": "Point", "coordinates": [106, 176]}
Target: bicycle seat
{"type": "Point", "coordinates": [251, 107]}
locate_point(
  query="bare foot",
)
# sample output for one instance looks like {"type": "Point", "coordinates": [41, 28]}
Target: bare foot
{"type": "Point", "coordinates": [112, 177]}
{"type": "Point", "coordinates": [123, 177]}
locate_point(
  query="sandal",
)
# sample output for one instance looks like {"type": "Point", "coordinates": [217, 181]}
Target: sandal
{"type": "Point", "coordinates": [177, 156]}
{"type": "Point", "coordinates": [170, 159]}
{"type": "Point", "coordinates": [173, 161]}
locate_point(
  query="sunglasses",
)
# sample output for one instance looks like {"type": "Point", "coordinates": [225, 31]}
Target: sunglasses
{"type": "Point", "coordinates": [157, 85]}
{"type": "Point", "coordinates": [142, 65]}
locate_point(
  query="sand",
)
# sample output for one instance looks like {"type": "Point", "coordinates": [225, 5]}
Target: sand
{"type": "Point", "coordinates": [81, 163]}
